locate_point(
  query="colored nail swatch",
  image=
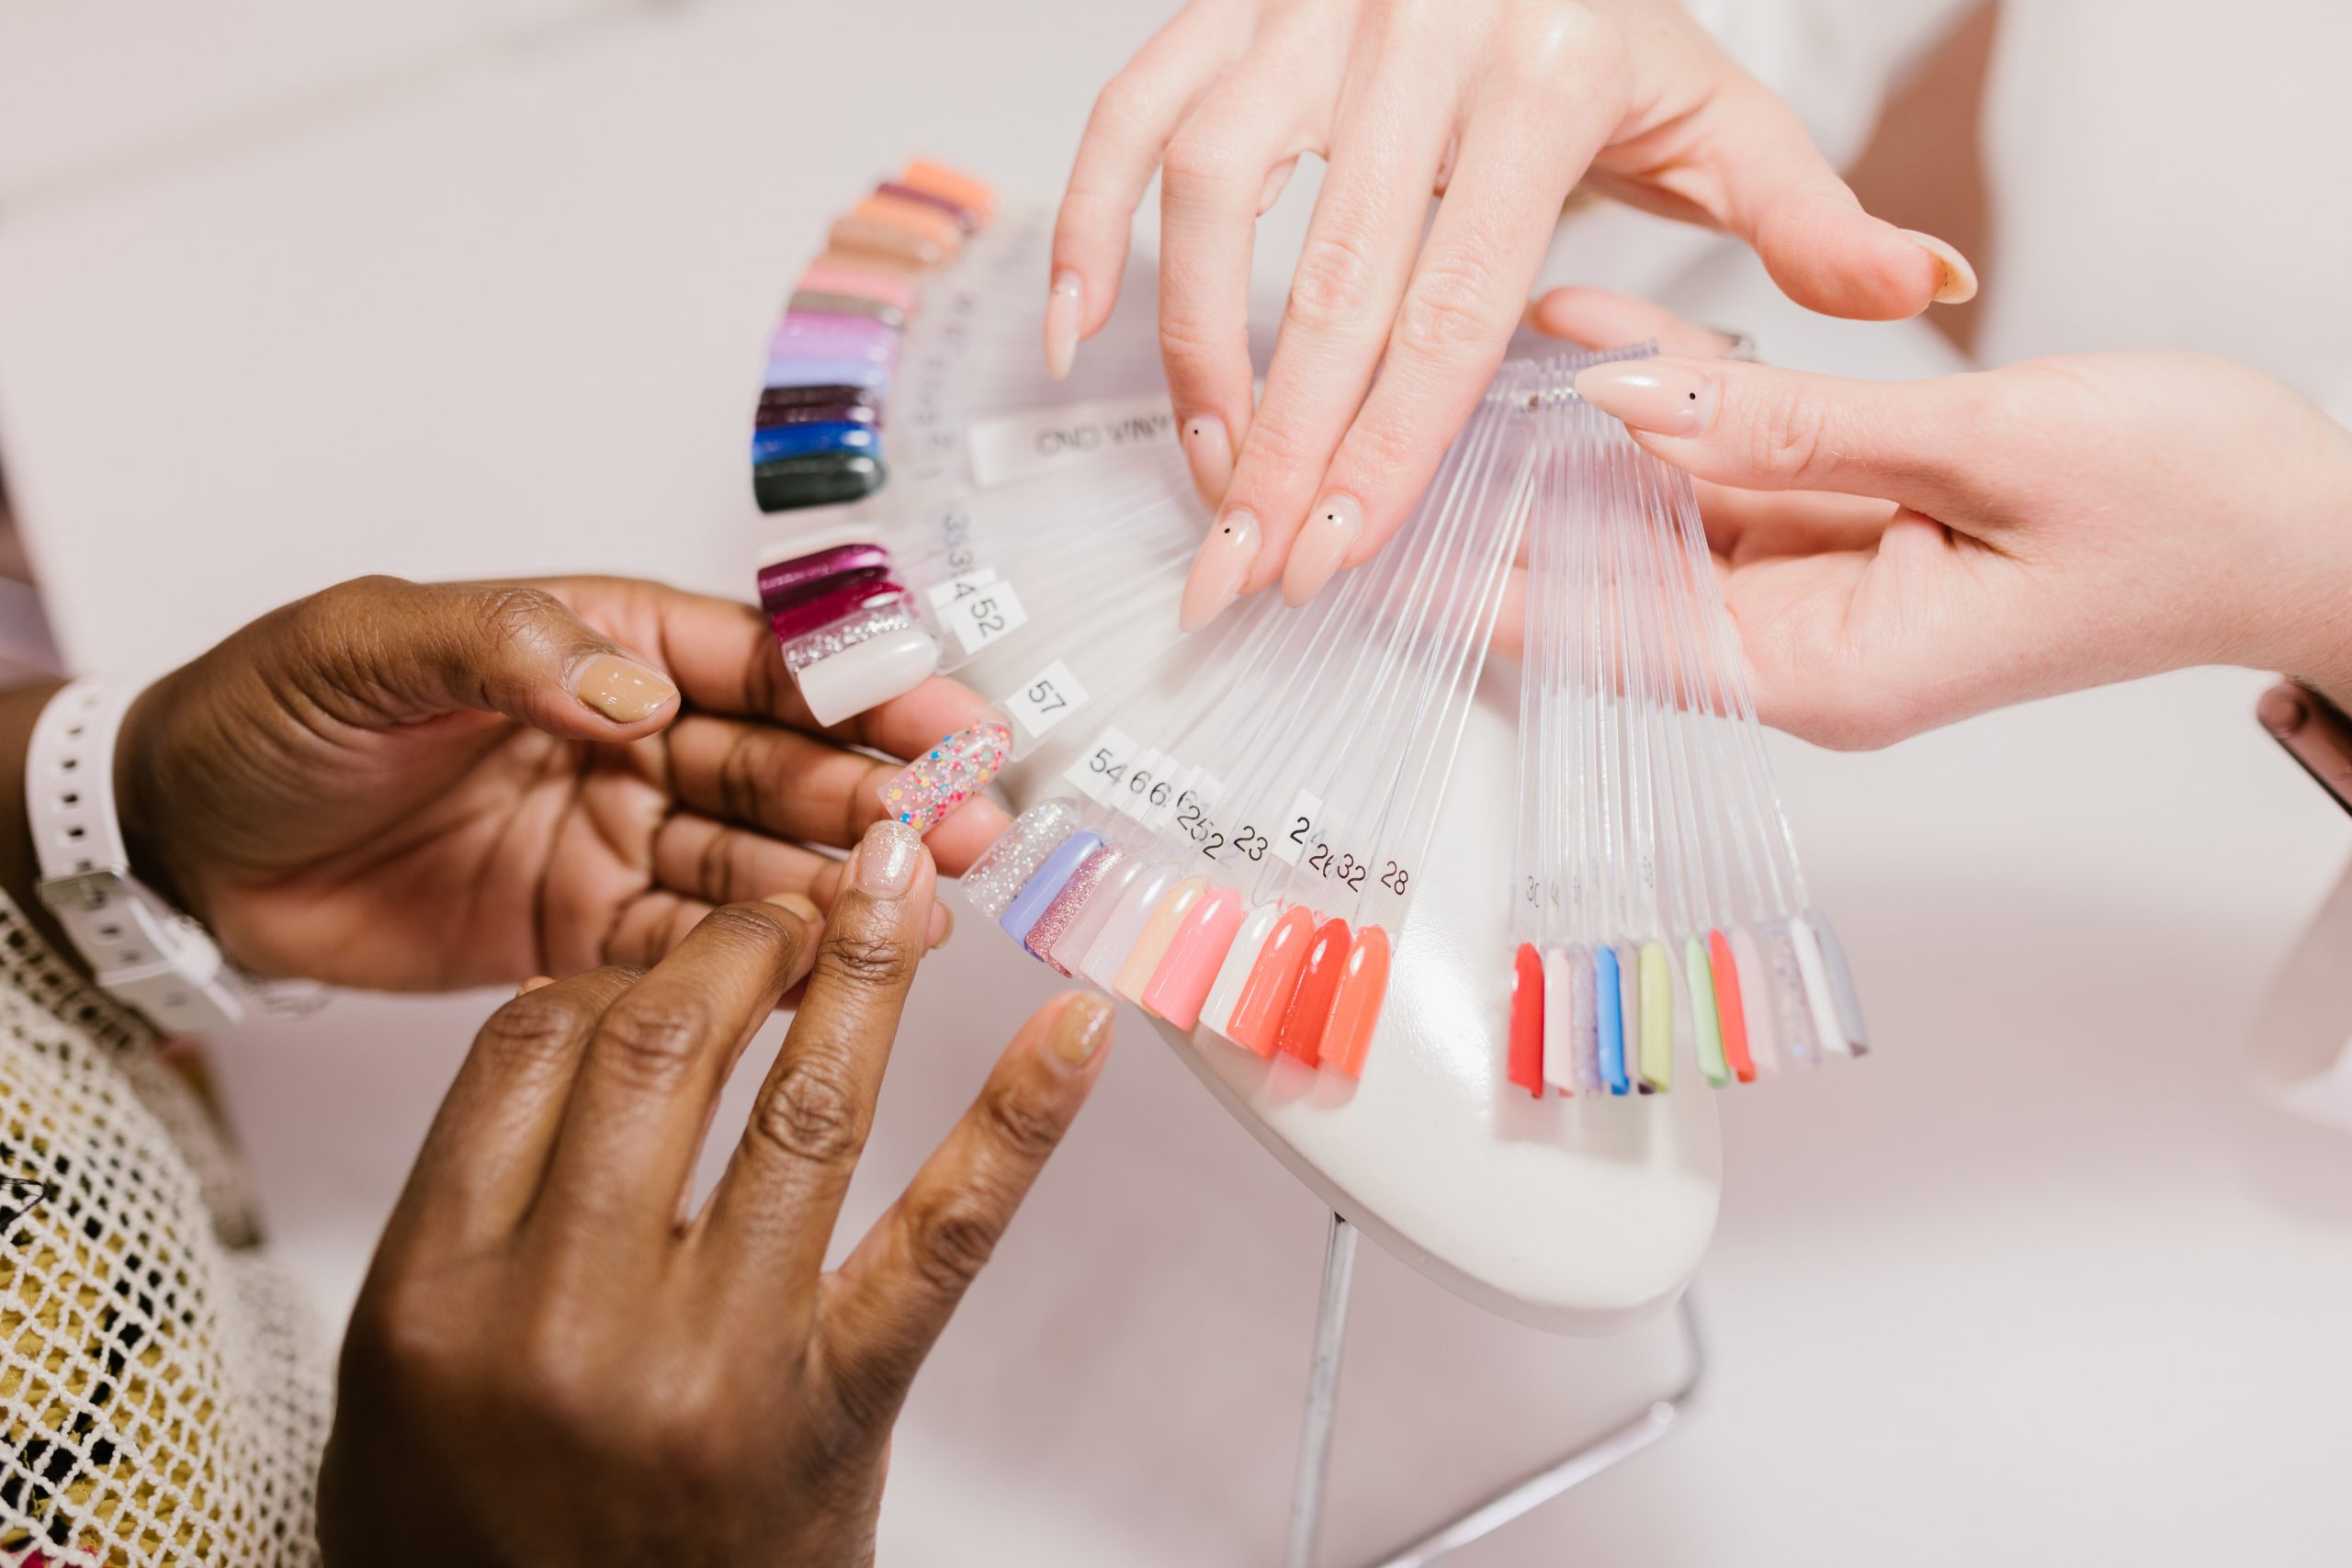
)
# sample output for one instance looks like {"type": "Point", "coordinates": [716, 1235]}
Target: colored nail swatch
{"type": "Point", "coordinates": [1526, 1044]}
{"type": "Point", "coordinates": [1118, 870]}
{"type": "Point", "coordinates": [1307, 1018]}
{"type": "Point", "coordinates": [1180, 983]}
{"type": "Point", "coordinates": [1265, 995]}
{"type": "Point", "coordinates": [1652, 842]}
{"type": "Point", "coordinates": [1355, 1010]}
{"type": "Point", "coordinates": [999, 874]}
{"type": "Point", "coordinates": [1047, 934]}
{"type": "Point", "coordinates": [1153, 941]}
{"type": "Point", "coordinates": [932, 785]}
{"type": "Point", "coordinates": [1045, 883]}
{"type": "Point", "coordinates": [837, 345]}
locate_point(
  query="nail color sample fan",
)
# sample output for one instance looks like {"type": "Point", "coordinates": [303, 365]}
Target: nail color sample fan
{"type": "Point", "coordinates": [1279, 836]}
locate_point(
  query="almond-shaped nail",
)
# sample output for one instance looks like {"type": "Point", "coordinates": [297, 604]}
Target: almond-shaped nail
{"type": "Point", "coordinates": [1082, 1029]}
{"type": "Point", "coordinates": [933, 785]}
{"type": "Point", "coordinates": [885, 859]}
{"type": "Point", "coordinates": [1062, 306]}
{"type": "Point", "coordinates": [1955, 279]}
{"type": "Point", "coordinates": [1331, 531]}
{"type": "Point", "coordinates": [1665, 397]}
{"type": "Point", "coordinates": [1208, 447]}
{"type": "Point", "coordinates": [621, 689]}
{"type": "Point", "coordinates": [533, 984]}
{"type": "Point", "coordinates": [1217, 571]}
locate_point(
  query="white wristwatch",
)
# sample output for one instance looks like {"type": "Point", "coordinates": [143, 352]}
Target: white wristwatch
{"type": "Point", "coordinates": [143, 952]}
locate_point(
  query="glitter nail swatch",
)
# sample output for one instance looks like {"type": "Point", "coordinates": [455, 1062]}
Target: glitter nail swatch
{"type": "Point", "coordinates": [893, 615]}
{"type": "Point", "coordinates": [947, 775]}
{"type": "Point", "coordinates": [1015, 858]}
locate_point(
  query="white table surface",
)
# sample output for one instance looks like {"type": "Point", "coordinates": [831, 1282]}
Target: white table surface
{"type": "Point", "coordinates": [2039, 1281]}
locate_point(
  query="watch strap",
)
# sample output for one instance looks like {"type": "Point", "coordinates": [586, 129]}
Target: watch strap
{"type": "Point", "coordinates": [140, 949]}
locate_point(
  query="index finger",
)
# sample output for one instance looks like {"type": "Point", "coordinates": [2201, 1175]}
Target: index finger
{"type": "Point", "coordinates": [773, 1212]}
{"type": "Point", "coordinates": [656, 1063]}
{"type": "Point", "coordinates": [906, 1277]}
{"type": "Point", "coordinates": [1528, 138]}
{"type": "Point", "coordinates": [484, 1156]}
{"type": "Point", "coordinates": [1133, 118]}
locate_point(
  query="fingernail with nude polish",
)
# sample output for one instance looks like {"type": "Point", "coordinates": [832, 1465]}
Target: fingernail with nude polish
{"type": "Point", "coordinates": [1663, 396]}
{"type": "Point", "coordinates": [1061, 322]}
{"type": "Point", "coordinates": [1955, 279]}
{"type": "Point", "coordinates": [1082, 1029]}
{"type": "Point", "coordinates": [1331, 531]}
{"type": "Point", "coordinates": [885, 859]}
{"type": "Point", "coordinates": [1208, 447]}
{"type": "Point", "coordinates": [533, 984]}
{"type": "Point", "coordinates": [621, 689]}
{"type": "Point", "coordinates": [1225, 559]}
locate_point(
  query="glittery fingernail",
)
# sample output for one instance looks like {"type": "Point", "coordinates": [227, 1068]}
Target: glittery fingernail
{"type": "Point", "coordinates": [885, 859]}
{"type": "Point", "coordinates": [1037, 832]}
{"type": "Point", "coordinates": [947, 775]}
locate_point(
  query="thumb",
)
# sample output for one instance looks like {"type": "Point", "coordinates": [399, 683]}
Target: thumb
{"type": "Point", "coordinates": [1774, 189]}
{"type": "Point", "coordinates": [378, 652]}
{"type": "Point", "coordinates": [1756, 427]}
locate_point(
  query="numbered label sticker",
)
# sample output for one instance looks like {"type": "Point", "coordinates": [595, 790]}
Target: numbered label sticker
{"type": "Point", "coordinates": [1104, 766]}
{"type": "Point", "coordinates": [1046, 698]}
{"type": "Point", "coordinates": [1166, 791]}
{"type": "Point", "coordinates": [1145, 786]}
{"type": "Point", "coordinates": [946, 594]}
{"type": "Point", "coordinates": [982, 619]}
{"type": "Point", "coordinates": [1296, 832]}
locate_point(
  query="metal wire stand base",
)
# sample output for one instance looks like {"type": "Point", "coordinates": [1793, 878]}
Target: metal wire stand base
{"type": "Point", "coordinates": [1529, 1491]}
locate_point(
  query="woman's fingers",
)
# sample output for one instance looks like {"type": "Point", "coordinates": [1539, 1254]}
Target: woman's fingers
{"type": "Point", "coordinates": [1740, 159]}
{"type": "Point", "coordinates": [1747, 525]}
{"type": "Point", "coordinates": [1351, 272]}
{"type": "Point", "coordinates": [898, 1290]}
{"type": "Point", "coordinates": [1222, 170]}
{"type": "Point", "coordinates": [723, 655]}
{"type": "Point", "coordinates": [719, 864]}
{"type": "Point", "coordinates": [378, 652]}
{"type": "Point", "coordinates": [1859, 649]}
{"type": "Point", "coordinates": [808, 1126]}
{"type": "Point", "coordinates": [1528, 136]}
{"type": "Point", "coordinates": [1209, 187]}
{"type": "Point", "coordinates": [1595, 318]}
{"type": "Point", "coordinates": [782, 782]}
{"type": "Point", "coordinates": [1780, 194]}
{"type": "Point", "coordinates": [656, 1061]}
{"type": "Point", "coordinates": [487, 1150]}
{"type": "Point", "coordinates": [797, 787]}
{"type": "Point", "coordinates": [1134, 117]}
{"type": "Point", "coordinates": [1755, 427]}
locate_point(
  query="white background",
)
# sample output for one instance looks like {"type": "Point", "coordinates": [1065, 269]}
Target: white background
{"type": "Point", "coordinates": [292, 290]}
